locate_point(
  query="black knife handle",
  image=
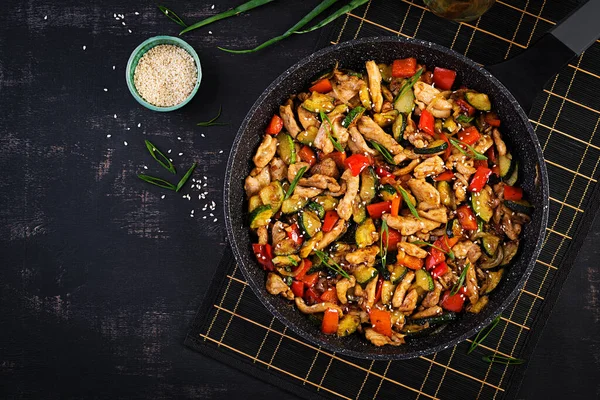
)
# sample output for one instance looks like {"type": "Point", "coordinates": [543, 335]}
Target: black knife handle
{"type": "Point", "coordinates": [526, 74]}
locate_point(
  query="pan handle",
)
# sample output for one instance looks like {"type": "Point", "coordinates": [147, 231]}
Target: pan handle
{"type": "Point", "coordinates": [526, 74]}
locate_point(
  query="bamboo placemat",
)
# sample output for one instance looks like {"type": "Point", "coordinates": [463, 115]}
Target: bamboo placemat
{"type": "Point", "coordinates": [234, 327]}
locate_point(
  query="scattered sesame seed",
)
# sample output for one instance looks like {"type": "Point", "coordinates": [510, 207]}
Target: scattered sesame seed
{"type": "Point", "coordinates": [145, 167]}
{"type": "Point", "coordinates": [215, 220]}
{"type": "Point", "coordinates": [204, 217]}
{"type": "Point", "coordinates": [180, 154]}
{"type": "Point", "coordinates": [212, 7]}
{"type": "Point", "coordinates": [170, 159]}
{"type": "Point", "coordinates": [184, 196]}
{"type": "Point", "coordinates": [128, 128]}
{"type": "Point", "coordinates": [210, 32]}
{"type": "Point", "coordinates": [108, 135]}
{"type": "Point", "coordinates": [113, 67]}
{"type": "Point", "coordinates": [211, 214]}
{"type": "Point", "coordinates": [129, 30]}
{"type": "Point", "coordinates": [136, 13]}
{"type": "Point", "coordinates": [123, 23]}
{"type": "Point", "coordinates": [202, 134]}
{"type": "Point", "coordinates": [125, 143]}
{"type": "Point", "coordinates": [221, 152]}
{"type": "Point", "coordinates": [115, 15]}
{"type": "Point", "coordinates": [139, 125]}
{"type": "Point", "coordinates": [162, 197]}
{"type": "Point", "coordinates": [105, 89]}
{"type": "Point", "coordinates": [84, 47]}
{"type": "Point", "coordinates": [178, 137]}
{"type": "Point", "coordinates": [169, 151]}
{"type": "Point", "coordinates": [192, 211]}
{"type": "Point", "coordinates": [115, 115]}
{"type": "Point", "coordinates": [192, 215]}
{"type": "Point", "coordinates": [45, 17]}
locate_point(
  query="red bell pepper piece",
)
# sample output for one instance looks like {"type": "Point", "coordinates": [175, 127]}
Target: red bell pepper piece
{"type": "Point", "coordinates": [298, 288]}
{"type": "Point", "coordinates": [469, 135]}
{"type": "Point", "coordinates": [439, 270]}
{"type": "Point", "coordinates": [492, 119]}
{"type": "Point", "coordinates": [443, 78]}
{"type": "Point", "coordinates": [339, 157]}
{"type": "Point", "coordinates": [307, 155]}
{"type": "Point", "coordinates": [479, 179]}
{"type": "Point", "coordinates": [445, 243]}
{"type": "Point", "coordinates": [381, 321]}
{"type": "Point", "coordinates": [311, 296]}
{"type": "Point", "coordinates": [331, 218]}
{"type": "Point", "coordinates": [396, 203]}
{"type": "Point", "coordinates": [322, 86]}
{"type": "Point", "coordinates": [391, 179]}
{"type": "Point", "coordinates": [310, 280]}
{"type": "Point", "coordinates": [331, 320]}
{"type": "Point", "coordinates": [304, 266]}
{"type": "Point", "coordinates": [427, 122]}
{"type": "Point", "coordinates": [356, 163]}
{"type": "Point", "coordinates": [409, 261]}
{"type": "Point", "coordinates": [453, 303]}
{"type": "Point", "coordinates": [434, 258]}
{"type": "Point", "coordinates": [512, 193]}
{"type": "Point", "coordinates": [466, 217]}
{"type": "Point", "coordinates": [376, 210]}
{"type": "Point", "coordinates": [466, 107]}
{"type": "Point", "coordinates": [448, 150]}
{"type": "Point", "coordinates": [392, 242]}
{"type": "Point", "coordinates": [293, 232]}
{"type": "Point", "coordinates": [378, 290]}
{"type": "Point", "coordinates": [480, 163]}
{"type": "Point", "coordinates": [404, 68]}
{"type": "Point", "coordinates": [329, 296]}
{"type": "Point", "coordinates": [491, 155]}
{"type": "Point", "coordinates": [275, 126]}
{"type": "Point", "coordinates": [444, 176]}
{"type": "Point", "coordinates": [264, 255]}
{"type": "Point", "coordinates": [382, 172]}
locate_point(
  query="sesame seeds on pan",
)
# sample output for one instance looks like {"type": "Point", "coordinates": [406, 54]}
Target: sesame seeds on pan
{"type": "Point", "coordinates": [165, 76]}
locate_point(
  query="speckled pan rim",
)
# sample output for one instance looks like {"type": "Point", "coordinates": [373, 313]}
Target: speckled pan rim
{"type": "Point", "coordinates": [314, 336]}
{"type": "Point", "coordinates": [171, 40]}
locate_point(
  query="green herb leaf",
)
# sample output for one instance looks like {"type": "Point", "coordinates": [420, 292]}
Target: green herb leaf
{"type": "Point", "coordinates": [463, 119]}
{"type": "Point", "coordinates": [295, 182]}
{"type": "Point", "coordinates": [160, 157]}
{"type": "Point", "coordinates": [185, 177]}
{"type": "Point", "coordinates": [336, 144]}
{"type": "Point", "coordinates": [212, 121]}
{"type": "Point", "coordinates": [409, 84]}
{"type": "Point", "coordinates": [483, 334]}
{"type": "Point", "coordinates": [157, 182]}
{"type": "Point", "coordinates": [461, 281]}
{"type": "Point", "coordinates": [408, 202]}
{"type": "Point", "coordinates": [172, 16]}
{"type": "Point", "coordinates": [496, 358]}
{"type": "Point", "coordinates": [325, 259]}
{"type": "Point", "coordinates": [325, 4]}
{"type": "Point", "coordinates": [476, 155]}
{"type": "Point", "coordinates": [249, 5]}
{"type": "Point", "coordinates": [383, 151]}
{"type": "Point", "coordinates": [384, 249]}
{"type": "Point", "coordinates": [294, 262]}
{"type": "Point", "coordinates": [343, 10]}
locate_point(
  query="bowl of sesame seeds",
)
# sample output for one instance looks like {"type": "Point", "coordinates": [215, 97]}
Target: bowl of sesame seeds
{"type": "Point", "coordinates": [163, 73]}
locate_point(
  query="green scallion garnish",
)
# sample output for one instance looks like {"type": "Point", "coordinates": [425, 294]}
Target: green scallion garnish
{"type": "Point", "coordinates": [383, 151]}
{"type": "Point", "coordinates": [461, 281]}
{"type": "Point", "coordinates": [325, 259]}
{"type": "Point", "coordinates": [212, 121]}
{"type": "Point", "coordinates": [408, 202]}
{"type": "Point", "coordinates": [160, 157]}
{"type": "Point", "coordinates": [157, 182]}
{"type": "Point", "coordinates": [295, 182]}
{"type": "Point", "coordinates": [185, 178]}
{"type": "Point", "coordinates": [483, 334]}
{"type": "Point", "coordinates": [496, 358]}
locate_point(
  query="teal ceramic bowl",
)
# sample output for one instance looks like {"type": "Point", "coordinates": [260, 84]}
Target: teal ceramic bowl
{"type": "Point", "coordinates": [141, 50]}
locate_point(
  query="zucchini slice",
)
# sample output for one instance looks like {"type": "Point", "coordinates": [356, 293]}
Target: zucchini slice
{"type": "Point", "coordinates": [506, 165]}
{"type": "Point", "coordinates": [368, 184]}
{"type": "Point", "coordinates": [364, 96]}
{"type": "Point", "coordinates": [317, 209]}
{"type": "Point", "coordinates": [261, 216]}
{"type": "Point", "coordinates": [405, 103]}
{"type": "Point", "coordinates": [519, 206]}
{"type": "Point", "coordinates": [512, 180]}
{"type": "Point", "coordinates": [480, 201]}
{"type": "Point", "coordinates": [439, 319]}
{"type": "Point", "coordinates": [434, 147]}
{"type": "Point", "coordinates": [348, 325]}
{"type": "Point", "coordinates": [398, 272]}
{"type": "Point", "coordinates": [510, 250]}
{"type": "Point", "coordinates": [310, 223]}
{"type": "Point", "coordinates": [385, 119]}
{"type": "Point", "coordinates": [489, 244]}
{"type": "Point", "coordinates": [364, 274]}
{"type": "Point", "coordinates": [493, 279]}
{"type": "Point", "coordinates": [446, 194]}
{"type": "Point", "coordinates": [318, 102]}
{"type": "Point", "coordinates": [352, 116]}
{"type": "Point", "coordinates": [387, 192]}
{"type": "Point", "coordinates": [273, 195]}
{"type": "Point", "coordinates": [454, 229]}
{"type": "Point", "coordinates": [339, 109]}
{"type": "Point", "coordinates": [293, 204]}
{"type": "Point", "coordinates": [424, 280]}
{"type": "Point", "coordinates": [359, 211]}
{"type": "Point", "coordinates": [387, 292]}
{"type": "Point", "coordinates": [398, 127]}
{"type": "Point", "coordinates": [286, 148]}
{"type": "Point", "coordinates": [450, 125]}
{"type": "Point", "coordinates": [308, 136]}
{"type": "Point", "coordinates": [480, 101]}
{"type": "Point", "coordinates": [328, 202]}
{"type": "Point", "coordinates": [366, 233]}
{"type": "Point", "coordinates": [254, 202]}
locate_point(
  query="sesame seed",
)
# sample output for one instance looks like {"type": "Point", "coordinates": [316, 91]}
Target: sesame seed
{"type": "Point", "coordinates": [123, 23]}
{"type": "Point", "coordinates": [105, 89]}
{"type": "Point", "coordinates": [169, 151]}
{"type": "Point", "coordinates": [115, 115]}
{"type": "Point", "coordinates": [145, 167]}
{"type": "Point", "coordinates": [45, 17]}
{"type": "Point", "coordinates": [204, 217]}
{"type": "Point", "coordinates": [139, 125]}
{"type": "Point", "coordinates": [125, 143]}
{"type": "Point", "coordinates": [215, 220]}
{"type": "Point", "coordinates": [136, 13]}
{"type": "Point", "coordinates": [108, 135]}
{"type": "Point", "coordinates": [129, 30]}
{"type": "Point", "coordinates": [192, 215]}
{"type": "Point", "coordinates": [202, 134]}
{"type": "Point", "coordinates": [128, 128]}
{"type": "Point", "coordinates": [212, 7]}
{"type": "Point", "coordinates": [113, 67]}
{"type": "Point", "coordinates": [84, 47]}
{"type": "Point", "coordinates": [170, 159]}
{"type": "Point", "coordinates": [115, 15]}
{"type": "Point", "coordinates": [221, 152]}
{"type": "Point", "coordinates": [178, 137]}
{"type": "Point", "coordinates": [180, 154]}
{"type": "Point", "coordinates": [210, 32]}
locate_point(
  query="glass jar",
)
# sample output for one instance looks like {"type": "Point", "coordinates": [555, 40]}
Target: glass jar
{"type": "Point", "coordinates": [459, 10]}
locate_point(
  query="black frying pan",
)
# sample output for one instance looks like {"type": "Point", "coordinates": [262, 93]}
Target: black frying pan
{"type": "Point", "coordinates": [524, 75]}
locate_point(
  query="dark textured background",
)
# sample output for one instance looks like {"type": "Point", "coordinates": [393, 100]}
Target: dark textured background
{"type": "Point", "coordinates": [100, 277]}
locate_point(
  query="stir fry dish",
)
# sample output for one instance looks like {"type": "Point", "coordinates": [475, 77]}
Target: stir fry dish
{"type": "Point", "coordinates": [384, 202]}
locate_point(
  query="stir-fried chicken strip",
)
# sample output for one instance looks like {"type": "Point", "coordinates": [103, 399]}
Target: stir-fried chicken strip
{"type": "Point", "coordinates": [396, 208]}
